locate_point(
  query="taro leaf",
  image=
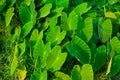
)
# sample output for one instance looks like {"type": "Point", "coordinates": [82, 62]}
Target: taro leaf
{"type": "Point", "coordinates": [26, 29]}
{"type": "Point", "coordinates": [76, 73]}
{"type": "Point", "coordinates": [64, 22]}
{"type": "Point", "coordinates": [39, 74]}
{"type": "Point", "coordinates": [110, 15]}
{"type": "Point", "coordinates": [24, 13]}
{"type": "Point", "coordinates": [100, 58]}
{"type": "Point", "coordinates": [33, 12]}
{"type": "Point", "coordinates": [87, 72]}
{"type": "Point", "coordinates": [41, 52]}
{"type": "Point", "coordinates": [56, 57]}
{"type": "Point", "coordinates": [61, 76]}
{"type": "Point", "coordinates": [22, 73]}
{"type": "Point", "coordinates": [9, 15]}
{"type": "Point", "coordinates": [82, 8]}
{"type": "Point", "coordinates": [33, 37]}
{"type": "Point", "coordinates": [14, 65]}
{"type": "Point", "coordinates": [22, 47]}
{"type": "Point", "coordinates": [112, 1]}
{"type": "Point", "coordinates": [14, 61]}
{"type": "Point", "coordinates": [62, 3]}
{"type": "Point", "coordinates": [109, 66]}
{"type": "Point", "coordinates": [16, 34]}
{"type": "Point", "coordinates": [44, 11]}
{"type": "Point", "coordinates": [106, 30]}
{"type": "Point", "coordinates": [80, 50]}
{"type": "Point", "coordinates": [51, 1]}
{"type": "Point", "coordinates": [115, 43]}
{"type": "Point", "coordinates": [54, 19]}
{"type": "Point", "coordinates": [2, 5]}
{"type": "Point", "coordinates": [11, 2]}
{"type": "Point", "coordinates": [115, 68]}
{"type": "Point", "coordinates": [88, 28]}
{"type": "Point", "coordinates": [28, 2]}
{"type": "Point", "coordinates": [55, 36]}
{"type": "Point", "coordinates": [72, 21]}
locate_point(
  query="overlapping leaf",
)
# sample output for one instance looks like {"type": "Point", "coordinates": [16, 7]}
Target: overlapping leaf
{"type": "Point", "coordinates": [80, 50]}
{"type": "Point", "coordinates": [56, 57]}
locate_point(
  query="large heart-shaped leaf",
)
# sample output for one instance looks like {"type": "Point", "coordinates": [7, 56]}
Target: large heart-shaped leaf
{"type": "Point", "coordinates": [80, 50]}
{"type": "Point", "coordinates": [56, 57]}
{"type": "Point", "coordinates": [100, 57]}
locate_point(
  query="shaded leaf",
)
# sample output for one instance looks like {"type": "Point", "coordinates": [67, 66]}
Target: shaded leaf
{"type": "Point", "coordinates": [100, 58]}
{"type": "Point", "coordinates": [76, 73]}
{"type": "Point", "coordinates": [80, 50]}
{"type": "Point", "coordinates": [115, 68]}
{"type": "Point", "coordinates": [24, 13]}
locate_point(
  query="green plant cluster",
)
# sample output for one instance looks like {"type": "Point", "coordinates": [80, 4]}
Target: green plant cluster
{"type": "Point", "coordinates": [59, 39]}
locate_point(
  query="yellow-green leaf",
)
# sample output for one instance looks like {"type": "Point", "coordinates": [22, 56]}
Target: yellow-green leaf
{"type": "Point", "coordinates": [110, 15]}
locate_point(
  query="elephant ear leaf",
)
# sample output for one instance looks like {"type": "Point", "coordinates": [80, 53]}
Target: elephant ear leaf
{"type": "Point", "coordinates": [76, 73]}
{"type": "Point", "coordinates": [87, 72]}
{"type": "Point", "coordinates": [115, 67]}
{"type": "Point", "coordinates": [105, 30]}
{"type": "Point", "coordinates": [9, 15]}
{"type": "Point", "coordinates": [100, 57]}
{"type": "Point", "coordinates": [56, 57]}
{"type": "Point", "coordinates": [88, 29]}
{"type": "Point", "coordinates": [61, 76]}
{"type": "Point", "coordinates": [80, 50]}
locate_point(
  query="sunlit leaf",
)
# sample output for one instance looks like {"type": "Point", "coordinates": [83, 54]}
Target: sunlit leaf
{"type": "Point", "coordinates": [9, 15]}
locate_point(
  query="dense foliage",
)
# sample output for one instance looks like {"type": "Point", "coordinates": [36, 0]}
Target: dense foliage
{"type": "Point", "coordinates": [59, 39]}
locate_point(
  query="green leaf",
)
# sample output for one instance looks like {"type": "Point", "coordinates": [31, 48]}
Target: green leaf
{"type": "Point", "coordinates": [56, 57]}
{"type": "Point", "coordinates": [41, 52]}
{"type": "Point", "coordinates": [14, 65]}
{"type": "Point", "coordinates": [24, 13]}
{"type": "Point", "coordinates": [82, 8]}
{"type": "Point", "coordinates": [26, 29]}
{"type": "Point", "coordinates": [100, 58]}
{"type": "Point", "coordinates": [11, 2]}
{"type": "Point", "coordinates": [61, 76]}
{"type": "Point", "coordinates": [39, 74]}
{"type": "Point", "coordinates": [64, 21]}
{"type": "Point", "coordinates": [87, 72]}
{"type": "Point", "coordinates": [115, 68]}
{"type": "Point", "coordinates": [88, 28]}
{"type": "Point", "coordinates": [22, 47]}
{"type": "Point", "coordinates": [44, 11]}
{"type": "Point", "coordinates": [115, 43]}
{"type": "Point", "coordinates": [76, 73]}
{"type": "Point", "coordinates": [14, 61]}
{"type": "Point", "coordinates": [72, 21]}
{"type": "Point", "coordinates": [112, 1]}
{"type": "Point", "coordinates": [28, 2]}
{"type": "Point", "coordinates": [62, 3]}
{"type": "Point", "coordinates": [2, 5]}
{"type": "Point", "coordinates": [9, 15]}
{"type": "Point", "coordinates": [55, 36]}
{"type": "Point", "coordinates": [53, 20]}
{"type": "Point", "coordinates": [106, 30]}
{"type": "Point", "coordinates": [80, 50]}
